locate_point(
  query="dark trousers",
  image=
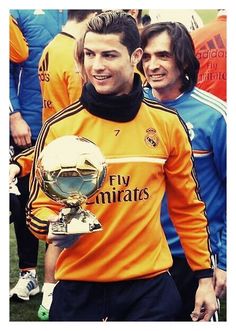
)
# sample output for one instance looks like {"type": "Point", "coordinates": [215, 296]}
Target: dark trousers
{"type": "Point", "coordinates": [153, 299]}
{"type": "Point", "coordinates": [27, 243]}
{"type": "Point", "coordinates": [187, 285]}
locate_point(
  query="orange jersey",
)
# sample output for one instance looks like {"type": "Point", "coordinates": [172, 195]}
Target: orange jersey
{"type": "Point", "coordinates": [211, 51]}
{"type": "Point", "coordinates": [60, 82]}
{"type": "Point", "coordinates": [146, 155]}
{"type": "Point", "coordinates": [19, 49]}
{"type": "Point", "coordinates": [24, 160]}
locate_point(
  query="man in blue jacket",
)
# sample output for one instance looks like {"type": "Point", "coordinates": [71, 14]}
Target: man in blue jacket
{"type": "Point", "coordinates": [38, 27]}
{"type": "Point", "coordinates": [171, 68]}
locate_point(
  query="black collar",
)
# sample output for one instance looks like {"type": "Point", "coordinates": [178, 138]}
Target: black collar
{"type": "Point", "coordinates": [67, 34]}
{"type": "Point", "coordinates": [122, 108]}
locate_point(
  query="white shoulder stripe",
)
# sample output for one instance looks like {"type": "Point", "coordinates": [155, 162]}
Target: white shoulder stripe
{"type": "Point", "coordinates": [211, 104]}
{"type": "Point", "coordinates": [210, 96]}
{"type": "Point", "coordinates": [136, 159]}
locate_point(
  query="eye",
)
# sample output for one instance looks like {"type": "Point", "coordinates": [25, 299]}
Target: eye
{"type": "Point", "coordinates": [109, 56]}
{"type": "Point", "coordinates": [88, 54]}
{"type": "Point", "coordinates": [164, 55]}
{"type": "Point", "coordinates": [145, 57]}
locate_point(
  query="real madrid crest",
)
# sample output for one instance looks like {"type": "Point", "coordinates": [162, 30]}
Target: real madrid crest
{"type": "Point", "coordinates": [151, 139]}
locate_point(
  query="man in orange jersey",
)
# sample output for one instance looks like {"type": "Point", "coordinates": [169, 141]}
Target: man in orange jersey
{"type": "Point", "coordinates": [121, 273]}
{"type": "Point", "coordinates": [60, 81]}
{"type": "Point", "coordinates": [211, 51]}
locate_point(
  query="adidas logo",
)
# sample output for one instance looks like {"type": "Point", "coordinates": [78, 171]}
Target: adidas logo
{"type": "Point", "coordinates": [43, 74]}
{"type": "Point", "coordinates": [213, 48]}
{"type": "Point", "coordinates": [215, 43]}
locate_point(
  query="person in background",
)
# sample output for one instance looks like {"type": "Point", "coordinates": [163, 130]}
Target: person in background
{"type": "Point", "coordinates": [137, 15]}
{"type": "Point", "coordinates": [189, 17]}
{"type": "Point", "coordinates": [146, 20]}
{"type": "Point", "coordinates": [119, 262]}
{"type": "Point", "coordinates": [171, 69]}
{"type": "Point", "coordinates": [60, 81]}
{"type": "Point", "coordinates": [211, 51]}
{"type": "Point", "coordinates": [38, 27]}
{"type": "Point", "coordinates": [18, 52]}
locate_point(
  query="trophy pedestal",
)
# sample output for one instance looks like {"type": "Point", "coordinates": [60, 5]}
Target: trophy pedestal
{"type": "Point", "coordinates": [75, 221]}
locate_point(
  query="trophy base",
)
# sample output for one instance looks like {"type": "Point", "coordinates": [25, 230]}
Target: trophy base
{"type": "Point", "coordinates": [73, 221]}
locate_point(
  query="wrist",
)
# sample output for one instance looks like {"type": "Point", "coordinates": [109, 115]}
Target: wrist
{"type": "Point", "coordinates": [15, 116]}
{"type": "Point", "coordinates": [205, 281]}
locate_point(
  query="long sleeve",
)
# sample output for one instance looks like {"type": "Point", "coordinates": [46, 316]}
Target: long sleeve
{"type": "Point", "coordinates": [14, 80]}
{"type": "Point", "coordinates": [186, 209]}
{"type": "Point", "coordinates": [219, 150]}
{"type": "Point", "coordinates": [24, 160]}
{"type": "Point", "coordinates": [19, 49]}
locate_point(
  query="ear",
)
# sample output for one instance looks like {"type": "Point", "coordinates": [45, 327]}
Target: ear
{"type": "Point", "coordinates": [136, 56]}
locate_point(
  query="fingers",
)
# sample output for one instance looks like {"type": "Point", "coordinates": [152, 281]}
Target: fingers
{"type": "Point", "coordinates": [203, 314]}
{"type": "Point", "coordinates": [14, 170]}
{"type": "Point", "coordinates": [23, 140]}
{"type": "Point", "coordinates": [196, 312]}
{"type": "Point", "coordinates": [220, 282]}
{"type": "Point", "coordinates": [220, 291]}
{"type": "Point", "coordinates": [60, 240]}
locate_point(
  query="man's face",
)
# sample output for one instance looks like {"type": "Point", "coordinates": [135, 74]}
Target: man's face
{"type": "Point", "coordinates": [107, 64]}
{"type": "Point", "coordinates": [160, 68]}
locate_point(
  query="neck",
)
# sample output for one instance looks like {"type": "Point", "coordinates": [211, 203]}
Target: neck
{"type": "Point", "coordinates": [74, 28]}
{"type": "Point", "coordinates": [166, 95]}
{"type": "Point", "coordinates": [116, 108]}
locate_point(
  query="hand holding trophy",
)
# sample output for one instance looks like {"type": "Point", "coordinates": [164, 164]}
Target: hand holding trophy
{"type": "Point", "coordinates": [71, 169]}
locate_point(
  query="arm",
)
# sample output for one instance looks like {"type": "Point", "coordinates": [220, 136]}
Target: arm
{"type": "Point", "coordinates": [186, 209]}
{"type": "Point", "coordinates": [218, 139]}
{"type": "Point", "coordinates": [188, 214]}
{"type": "Point", "coordinates": [21, 164]}
{"type": "Point", "coordinates": [20, 130]}
{"type": "Point", "coordinates": [19, 50]}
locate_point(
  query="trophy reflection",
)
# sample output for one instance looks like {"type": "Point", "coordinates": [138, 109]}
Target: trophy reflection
{"type": "Point", "coordinates": [71, 169]}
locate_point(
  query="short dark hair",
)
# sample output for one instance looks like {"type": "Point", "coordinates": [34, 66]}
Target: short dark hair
{"type": "Point", "coordinates": [117, 22]}
{"type": "Point", "coordinates": [139, 16]}
{"type": "Point", "coordinates": [146, 19]}
{"type": "Point", "coordinates": [182, 48]}
{"type": "Point", "coordinates": [81, 14]}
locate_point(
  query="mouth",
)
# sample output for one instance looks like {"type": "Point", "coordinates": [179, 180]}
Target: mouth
{"type": "Point", "coordinates": [101, 77]}
{"type": "Point", "coordinates": [156, 77]}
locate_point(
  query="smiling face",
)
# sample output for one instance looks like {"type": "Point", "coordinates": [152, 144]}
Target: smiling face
{"type": "Point", "coordinates": [160, 68]}
{"type": "Point", "coordinates": [107, 63]}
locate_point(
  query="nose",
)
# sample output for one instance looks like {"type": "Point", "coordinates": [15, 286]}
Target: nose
{"type": "Point", "coordinates": [153, 63]}
{"type": "Point", "coordinates": [98, 63]}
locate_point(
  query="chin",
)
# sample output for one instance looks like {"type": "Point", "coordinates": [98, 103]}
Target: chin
{"type": "Point", "coordinates": [103, 89]}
